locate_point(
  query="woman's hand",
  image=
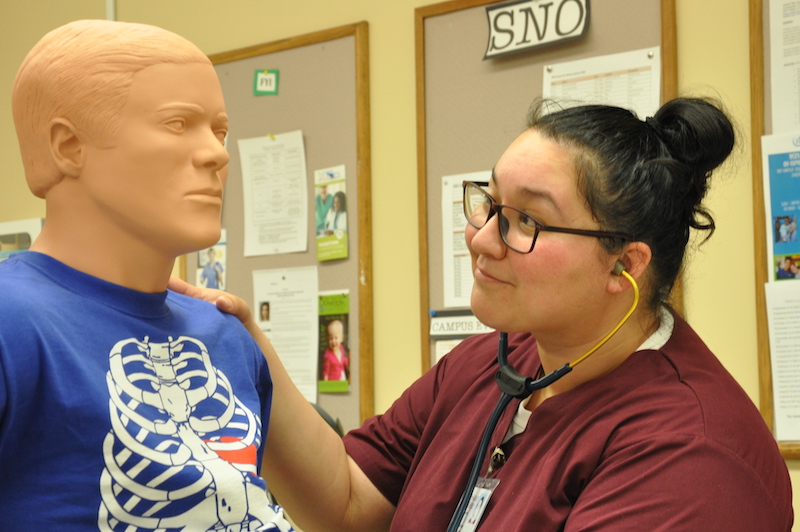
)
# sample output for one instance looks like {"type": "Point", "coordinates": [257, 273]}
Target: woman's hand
{"type": "Point", "coordinates": [344, 498]}
{"type": "Point", "coordinates": [224, 301]}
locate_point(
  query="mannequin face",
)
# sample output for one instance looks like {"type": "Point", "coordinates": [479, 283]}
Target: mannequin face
{"type": "Point", "coordinates": [161, 181]}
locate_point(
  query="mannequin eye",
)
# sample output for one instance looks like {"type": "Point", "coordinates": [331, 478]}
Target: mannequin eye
{"type": "Point", "coordinates": [176, 124]}
{"type": "Point", "coordinates": [221, 135]}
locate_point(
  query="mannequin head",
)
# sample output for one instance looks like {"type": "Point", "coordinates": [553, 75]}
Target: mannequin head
{"type": "Point", "coordinates": [81, 72]}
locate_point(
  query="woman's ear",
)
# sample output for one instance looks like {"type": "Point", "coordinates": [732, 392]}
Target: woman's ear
{"type": "Point", "coordinates": [66, 147]}
{"type": "Point", "coordinates": [635, 259]}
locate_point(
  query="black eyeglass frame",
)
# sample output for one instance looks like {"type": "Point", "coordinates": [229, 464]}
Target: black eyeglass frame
{"type": "Point", "coordinates": [496, 208]}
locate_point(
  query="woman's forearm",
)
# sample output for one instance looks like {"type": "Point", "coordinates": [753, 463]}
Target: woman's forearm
{"type": "Point", "coordinates": [305, 462]}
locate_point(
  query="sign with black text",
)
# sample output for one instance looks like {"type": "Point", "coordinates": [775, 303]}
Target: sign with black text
{"type": "Point", "coordinates": [518, 26]}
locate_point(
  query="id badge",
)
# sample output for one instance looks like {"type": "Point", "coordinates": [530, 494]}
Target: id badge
{"type": "Point", "coordinates": [477, 504]}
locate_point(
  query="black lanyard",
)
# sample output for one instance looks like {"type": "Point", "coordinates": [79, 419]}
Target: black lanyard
{"type": "Point", "coordinates": [513, 386]}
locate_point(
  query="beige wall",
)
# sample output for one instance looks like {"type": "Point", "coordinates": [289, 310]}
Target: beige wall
{"type": "Point", "coordinates": [713, 58]}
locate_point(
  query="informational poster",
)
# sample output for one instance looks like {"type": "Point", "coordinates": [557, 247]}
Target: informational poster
{"type": "Point", "coordinates": [334, 345]}
{"type": "Point", "coordinates": [455, 255]}
{"type": "Point", "coordinates": [781, 185]}
{"type": "Point", "coordinates": [286, 302]}
{"type": "Point", "coordinates": [17, 236]}
{"type": "Point", "coordinates": [781, 179]}
{"type": "Point", "coordinates": [275, 200]}
{"type": "Point", "coordinates": [783, 315]}
{"type": "Point", "coordinates": [442, 347]}
{"type": "Point", "coordinates": [212, 264]}
{"type": "Point", "coordinates": [449, 328]}
{"type": "Point", "coordinates": [629, 79]}
{"type": "Point", "coordinates": [330, 204]}
{"type": "Point", "coordinates": [784, 52]}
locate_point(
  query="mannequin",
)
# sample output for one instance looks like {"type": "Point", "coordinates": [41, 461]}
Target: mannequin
{"type": "Point", "coordinates": [123, 404]}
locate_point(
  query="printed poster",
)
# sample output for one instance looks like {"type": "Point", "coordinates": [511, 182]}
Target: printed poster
{"type": "Point", "coordinates": [330, 204]}
{"type": "Point", "coordinates": [334, 351]}
{"type": "Point", "coordinates": [781, 170]}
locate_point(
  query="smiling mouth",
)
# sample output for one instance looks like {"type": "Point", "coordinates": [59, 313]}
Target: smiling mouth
{"type": "Point", "coordinates": [482, 275]}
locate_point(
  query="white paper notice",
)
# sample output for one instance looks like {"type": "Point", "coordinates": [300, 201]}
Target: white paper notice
{"type": "Point", "coordinates": [275, 201]}
{"type": "Point", "coordinates": [784, 52]}
{"type": "Point", "coordinates": [457, 264]}
{"type": "Point", "coordinates": [442, 347]}
{"type": "Point", "coordinates": [630, 79]}
{"type": "Point", "coordinates": [292, 324]}
{"type": "Point", "coordinates": [783, 314]}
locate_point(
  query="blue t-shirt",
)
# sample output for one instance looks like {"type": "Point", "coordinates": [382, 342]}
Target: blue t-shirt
{"type": "Point", "coordinates": [124, 410]}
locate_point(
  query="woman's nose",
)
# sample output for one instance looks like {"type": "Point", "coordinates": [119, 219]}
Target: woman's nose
{"type": "Point", "coordinates": [487, 239]}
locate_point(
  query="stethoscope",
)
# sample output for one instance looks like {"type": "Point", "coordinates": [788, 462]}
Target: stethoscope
{"type": "Point", "coordinates": [516, 386]}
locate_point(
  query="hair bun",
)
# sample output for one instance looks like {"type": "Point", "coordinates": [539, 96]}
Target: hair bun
{"type": "Point", "coordinates": [695, 131]}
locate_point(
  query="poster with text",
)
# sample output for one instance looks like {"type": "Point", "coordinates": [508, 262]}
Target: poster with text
{"type": "Point", "coordinates": [334, 350]}
{"type": "Point", "coordinates": [330, 204]}
{"type": "Point", "coordinates": [781, 171]}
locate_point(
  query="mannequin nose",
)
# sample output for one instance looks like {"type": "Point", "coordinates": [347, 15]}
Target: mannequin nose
{"type": "Point", "coordinates": [212, 154]}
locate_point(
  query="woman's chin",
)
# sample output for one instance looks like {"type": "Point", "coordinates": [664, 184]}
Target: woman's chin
{"type": "Point", "coordinates": [497, 319]}
{"type": "Point", "coordinates": [488, 317]}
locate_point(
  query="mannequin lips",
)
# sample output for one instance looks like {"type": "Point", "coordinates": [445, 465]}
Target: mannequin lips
{"type": "Point", "coordinates": [206, 193]}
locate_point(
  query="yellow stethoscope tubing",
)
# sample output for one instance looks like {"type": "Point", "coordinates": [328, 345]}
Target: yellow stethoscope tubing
{"type": "Point", "coordinates": [614, 330]}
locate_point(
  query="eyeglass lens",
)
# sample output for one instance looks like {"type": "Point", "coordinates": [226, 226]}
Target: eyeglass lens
{"type": "Point", "coordinates": [517, 229]}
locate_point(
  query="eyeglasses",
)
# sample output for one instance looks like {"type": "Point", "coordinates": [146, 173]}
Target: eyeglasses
{"type": "Point", "coordinates": [518, 229]}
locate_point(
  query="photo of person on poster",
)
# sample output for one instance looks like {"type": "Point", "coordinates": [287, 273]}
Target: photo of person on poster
{"type": "Point", "coordinates": [787, 267]}
{"type": "Point", "coordinates": [330, 203]}
{"type": "Point", "coordinates": [212, 273]}
{"type": "Point", "coordinates": [334, 359]}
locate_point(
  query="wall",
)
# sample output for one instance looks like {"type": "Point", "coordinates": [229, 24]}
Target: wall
{"type": "Point", "coordinates": [713, 58]}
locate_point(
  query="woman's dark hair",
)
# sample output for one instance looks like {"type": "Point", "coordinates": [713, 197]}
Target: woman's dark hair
{"type": "Point", "coordinates": [645, 178]}
{"type": "Point", "coordinates": [342, 200]}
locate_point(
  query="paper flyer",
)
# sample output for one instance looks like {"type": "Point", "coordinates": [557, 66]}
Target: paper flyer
{"type": "Point", "coordinates": [455, 255]}
{"type": "Point", "coordinates": [334, 350]}
{"type": "Point", "coordinates": [781, 180]}
{"type": "Point", "coordinates": [286, 302]}
{"type": "Point", "coordinates": [274, 188]}
{"type": "Point", "coordinates": [330, 204]}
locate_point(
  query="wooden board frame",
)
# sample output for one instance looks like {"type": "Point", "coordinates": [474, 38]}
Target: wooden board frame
{"type": "Point", "coordinates": [669, 90]}
{"type": "Point", "coordinates": [359, 282]}
{"type": "Point", "coordinates": [759, 65]}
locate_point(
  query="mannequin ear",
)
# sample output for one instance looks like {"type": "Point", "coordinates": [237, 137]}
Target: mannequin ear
{"type": "Point", "coordinates": [66, 147]}
{"type": "Point", "coordinates": [635, 258]}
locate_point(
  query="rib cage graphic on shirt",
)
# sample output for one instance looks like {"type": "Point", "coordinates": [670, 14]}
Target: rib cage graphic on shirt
{"type": "Point", "coordinates": [181, 454]}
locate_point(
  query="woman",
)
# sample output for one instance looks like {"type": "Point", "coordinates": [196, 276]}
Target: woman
{"type": "Point", "coordinates": [336, 219]}
{"type": "Point", "coordinates": [647, 433]}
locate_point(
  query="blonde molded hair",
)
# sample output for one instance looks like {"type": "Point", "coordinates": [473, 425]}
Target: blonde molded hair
{"type": "Point", "coordinates": [82, 72]}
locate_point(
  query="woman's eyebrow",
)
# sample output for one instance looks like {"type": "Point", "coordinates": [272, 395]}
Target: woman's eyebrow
{"type": "Point", "coordinates": [531, 194]}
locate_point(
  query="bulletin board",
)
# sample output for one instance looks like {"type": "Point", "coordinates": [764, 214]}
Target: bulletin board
{"type": "Point", "coordinates": [760, 125]}
{"type": "Point", "coordinates": [323, 91]}
{"type": "Point", "coordinates": [470, 109]}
